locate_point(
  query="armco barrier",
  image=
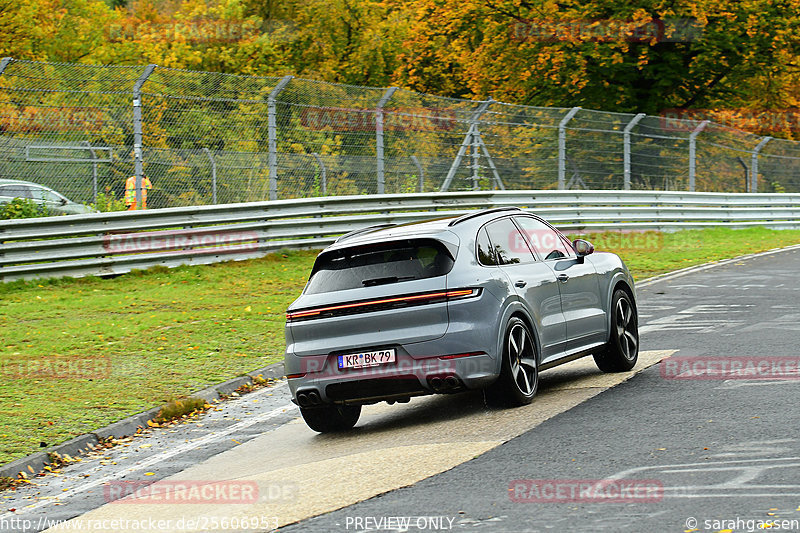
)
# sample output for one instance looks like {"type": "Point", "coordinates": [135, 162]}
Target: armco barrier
{"type": "Point", "coordinates": [114, 243]}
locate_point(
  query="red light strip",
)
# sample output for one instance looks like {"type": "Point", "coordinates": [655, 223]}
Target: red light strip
{"type": "Point", "coordinates": [459, 355]}
{"type": "Point", "coordinates": [428, 296]}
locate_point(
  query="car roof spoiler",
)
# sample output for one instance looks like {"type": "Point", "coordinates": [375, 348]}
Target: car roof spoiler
{"type": "Point", "coordinates": [478, 213]}
{"type": "Point", "coordinates": [363, 230]}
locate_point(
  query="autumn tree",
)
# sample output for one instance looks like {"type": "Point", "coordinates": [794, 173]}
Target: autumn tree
{"type": "Point", "coordinates": [53, 30]}
{"type": "Point", "coordinates": [506, 49]}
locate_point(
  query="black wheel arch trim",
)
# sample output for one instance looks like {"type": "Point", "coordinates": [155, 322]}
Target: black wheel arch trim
{"type": "Point", "coordinates": [516, 308]}
{"type": "Point", "coordinates": [619, 281]}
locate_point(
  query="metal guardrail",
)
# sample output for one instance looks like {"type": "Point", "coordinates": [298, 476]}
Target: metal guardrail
{"type": "Point", "coordinates": [114, 243]}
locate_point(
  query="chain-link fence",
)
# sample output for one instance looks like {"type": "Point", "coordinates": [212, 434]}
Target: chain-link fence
{"type": "Point", "coordinates": [204, 138]}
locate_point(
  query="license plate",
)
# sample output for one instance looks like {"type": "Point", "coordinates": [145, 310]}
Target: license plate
{"type": "Point", "coordinates": [366, 359]}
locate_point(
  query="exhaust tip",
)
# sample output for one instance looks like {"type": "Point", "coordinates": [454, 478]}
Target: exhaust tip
{"type": "Point", "coordinates": [451, 382]}
{"type": "Point", "coordinates": [436, 383]}
{"type": "Point", "coordinates": [303, 401]}
{"type": "Point", "coordinates": [314, 398]}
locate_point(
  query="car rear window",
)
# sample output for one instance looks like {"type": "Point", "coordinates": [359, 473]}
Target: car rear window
{"type": "Point", "coordinates": [16, 191]}
{"type": "Point", "coordinates": [379, 264]}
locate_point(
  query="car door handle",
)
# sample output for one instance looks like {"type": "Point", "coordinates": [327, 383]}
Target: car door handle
{"type": "Point", "coordinates": [563, 278]}
{"type": "Point", "coordinates": [520, 283]}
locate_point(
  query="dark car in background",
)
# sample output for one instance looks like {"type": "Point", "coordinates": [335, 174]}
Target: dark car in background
{"type": "Point", "coordinates": [482, 301]}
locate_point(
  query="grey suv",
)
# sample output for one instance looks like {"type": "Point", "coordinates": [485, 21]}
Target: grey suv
{"type": "Point", "coordinates": [483, 301]}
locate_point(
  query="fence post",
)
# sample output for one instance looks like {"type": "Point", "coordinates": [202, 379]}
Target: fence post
{"type": "Point", "coordinates": [420, 172]}
{"type": "Point", "coordinates": [4, 63]}
{"type": "Point", "coordinates": [469, 139]}
{"type": "Point", "coordinates": [626, 161]}
{"type": "Point", "coordinates": [94, 168]}
{"type": "Point", "coordinates": [137, 131]}
{"type": "Point", "coordinates": [476, 156]}
{"type": "Point", "coordinates": [273, 136]}
{"type": "Point", "coordinates": [754, 164]}
{"type": "Point", "coordinates": [746, 173]}
{"type": "Point", "coordinates": [479, 142]}
{"type": "Point", "coordinates": [213, 175]}
{"type": "Point", "coordinates": [693, 152]}
{"type": "Point", "coordinates": [379, 136]}
{"type": "Point", "coordinates": [562, 147]}
{"type": "Point", "coordinates": [323, 177]}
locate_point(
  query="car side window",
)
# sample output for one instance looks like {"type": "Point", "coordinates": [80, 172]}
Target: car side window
{"type": "Point", "coordinates": [51, 196]}
{"type": "Point", "coordinates": [508, 243]}
{"type": "Point", "coordinates": [16, 191]}
{"type": "Point", "coordinates": [37, 193]}
{"type": "Point", "coordinates": [546, 241]}
{"type": "Point", "coordinates": [486, 255]}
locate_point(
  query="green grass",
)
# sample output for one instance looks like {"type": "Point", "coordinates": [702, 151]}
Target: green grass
{"type": "Point", "coordinates": [143, 339]}
{"type": "Point", "coordinates": [651, 253]}
{"type": "Point", "coordinates": [133, 342]}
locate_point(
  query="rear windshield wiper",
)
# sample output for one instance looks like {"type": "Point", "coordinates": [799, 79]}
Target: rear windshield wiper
{"type": "Point", "coordinates": [383, 281]}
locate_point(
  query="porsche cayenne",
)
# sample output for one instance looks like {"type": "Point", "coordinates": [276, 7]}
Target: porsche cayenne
{"type": "Point", "coordinates": [485, 301]}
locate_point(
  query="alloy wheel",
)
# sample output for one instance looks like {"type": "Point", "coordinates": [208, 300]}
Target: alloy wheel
{"type": "Point", "coordinates": [626, 329]}
{"type": "Point", "coordinates": [522, 359]}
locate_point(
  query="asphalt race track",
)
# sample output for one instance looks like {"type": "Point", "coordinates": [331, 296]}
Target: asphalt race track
{"type": "Point", "coordinates": [704, 452]}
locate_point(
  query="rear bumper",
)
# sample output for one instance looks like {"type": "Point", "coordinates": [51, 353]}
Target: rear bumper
{"type": "Point", "coordinates": [425, 363]}
{"type": "Point", "coordinates": [411, 375]}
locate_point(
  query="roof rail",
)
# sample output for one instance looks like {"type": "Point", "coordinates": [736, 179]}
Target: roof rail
{"type": "Point", "coordinates": [363, 230]}
{"type": "Point", "coordinates": [481, 212]}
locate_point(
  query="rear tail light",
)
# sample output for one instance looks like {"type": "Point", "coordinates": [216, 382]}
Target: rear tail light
{"type": "Point", "coordinates": [381, 304]}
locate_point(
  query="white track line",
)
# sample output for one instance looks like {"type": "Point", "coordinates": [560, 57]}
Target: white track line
{"type": "Point", "coordinates": [706, 266]}
{"type": "Point", "coordinates": [162, 456]}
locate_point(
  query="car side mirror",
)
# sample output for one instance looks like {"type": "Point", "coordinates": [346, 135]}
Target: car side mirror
{"type": "Point", "coordinates": [582, 248]}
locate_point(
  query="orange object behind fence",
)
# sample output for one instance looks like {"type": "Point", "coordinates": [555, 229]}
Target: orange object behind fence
{"type": "Point", "coordinates": [130, 192]}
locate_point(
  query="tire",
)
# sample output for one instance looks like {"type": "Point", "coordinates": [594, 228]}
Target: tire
{"type": "Point", "coordinates": [622, 350]}
{"type": "Point", "coordinates": [331, 418]}
{"type": "Point", "coordinates": [519, 371]}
